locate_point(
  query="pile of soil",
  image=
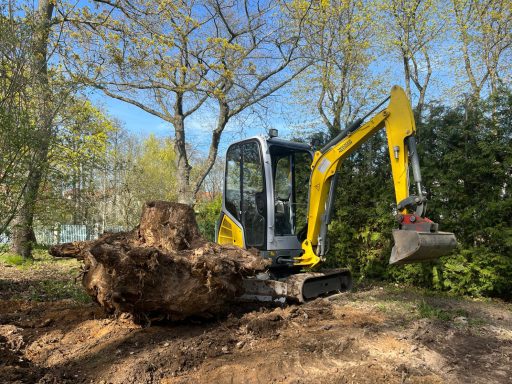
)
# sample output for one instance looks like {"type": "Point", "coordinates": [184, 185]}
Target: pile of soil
{"type": "Point", "coordinates": [163, 269]}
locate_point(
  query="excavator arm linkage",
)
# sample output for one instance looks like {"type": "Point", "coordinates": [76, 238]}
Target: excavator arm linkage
{"type": "Point", "coordinates": [417, 238]}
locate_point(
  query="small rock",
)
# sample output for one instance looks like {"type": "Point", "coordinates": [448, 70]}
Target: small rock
{"type": "Point", "coordinates": [240, 344]}
{"type": "Point", "coordinates": [46, 322]}
{"type": "Point", "coordinates": [166, 344]}
{"type": "Point", "coordinates": [225, 350]}
{"type": "Point", "coordinates": [414, 348]}
{"type": "Point", "coordinates": [327, 327]}
{"type": "Point", "coordinates": [461, 320]}
{"type": "Point", "coordinates": [131, 352]}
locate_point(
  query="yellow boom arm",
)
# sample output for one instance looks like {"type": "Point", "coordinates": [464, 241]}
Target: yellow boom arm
{"type": "Point", "coordinates": [398, 120]}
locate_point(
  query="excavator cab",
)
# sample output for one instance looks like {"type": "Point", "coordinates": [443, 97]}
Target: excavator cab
{"type": "Point", "coordinates": [266, 197]}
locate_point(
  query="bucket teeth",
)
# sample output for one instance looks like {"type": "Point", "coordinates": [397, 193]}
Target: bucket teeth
{"type": "Point", "coordinates": [413, 246]}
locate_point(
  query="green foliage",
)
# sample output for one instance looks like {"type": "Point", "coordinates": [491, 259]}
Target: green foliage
{"type": "Point", "coordinates": [149, 173]}
{"type": "Point", "coordinates": [466, 156]}
{"type": "Point", "coordinates": [16, 125]}
{"type": "Point", "coordinates": [426, 310]}
{"type": "Point", "coordinates": [49, 290]}
{"type": "Point", "coordinates": [15, 260]}
{"type": "Point", "coordinates": [207, 214]}
{"type": "Point", "coordinates": [361, 230]}
{"type": "Point", "coordinates": [45, 278]}
{"type": "Point", "coordinates": [77, 157]}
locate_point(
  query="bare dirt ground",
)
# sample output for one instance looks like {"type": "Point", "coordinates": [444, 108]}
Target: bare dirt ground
{"type": "Point", "coordinates": [50, 332]}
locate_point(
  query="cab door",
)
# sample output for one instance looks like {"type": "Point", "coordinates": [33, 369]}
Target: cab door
{"type": "Point", "coordinates": [244, 204]}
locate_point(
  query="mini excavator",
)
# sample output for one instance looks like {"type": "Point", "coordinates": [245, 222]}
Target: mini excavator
{"type": "Point", "coordinates": [279, 196]}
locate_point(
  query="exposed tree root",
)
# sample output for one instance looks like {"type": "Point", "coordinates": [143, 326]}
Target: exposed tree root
{"type": "Point", "coordinates": [163, 268]}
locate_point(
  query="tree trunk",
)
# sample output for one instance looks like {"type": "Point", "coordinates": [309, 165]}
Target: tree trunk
{"type": "Point", "coordinates": [185, 195]}
{"type": "Point", "coordinates": [23, 234]}
{"type": "Point", "coordinates": [222, 121]}
{"type": "Point", "coordinates": [407, 75]}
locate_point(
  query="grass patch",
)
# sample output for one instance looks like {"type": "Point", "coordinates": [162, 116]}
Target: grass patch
{"type": "Point", "coordinates": [426, 310]}
{"type": "Point", "coordinates": [43, 278]}
{"type": "Point", "coordinates": [40, 257]}
{"type": "Point", "coordinates": [477, 322]}
{"type": "Point", "coordinates": [15, 260]}
{"type": "Point", "coordinates": [53, 290]}
{"type": "Point", "coordinates": [59, 290]}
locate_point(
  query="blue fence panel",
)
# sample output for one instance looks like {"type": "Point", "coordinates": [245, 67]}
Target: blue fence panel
{"type": "Point", "coordinates": [4, 239]}
{"type": "Point", "coordinates": [46, 236]}
{"type": "Point", "coordinates": [69, 233]}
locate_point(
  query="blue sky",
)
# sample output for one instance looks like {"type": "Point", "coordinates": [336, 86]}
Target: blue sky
{"type": "Point", "coordinates": [281, 112]}
{"type": "Point", "coordinates": [198, 126]}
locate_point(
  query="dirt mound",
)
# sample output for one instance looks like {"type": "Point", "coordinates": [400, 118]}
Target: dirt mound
{"type": "Point", "coordinates": [375, 335]}
{"type": "Point", "coordinates": [163, 269]}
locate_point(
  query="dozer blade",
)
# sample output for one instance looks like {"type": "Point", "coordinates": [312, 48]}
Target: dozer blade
{"type": "Point", "coordinates": [412, 246]}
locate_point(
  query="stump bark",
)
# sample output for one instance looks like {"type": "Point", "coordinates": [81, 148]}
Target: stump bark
{"type": "Point", "coordinates": [163, 268]}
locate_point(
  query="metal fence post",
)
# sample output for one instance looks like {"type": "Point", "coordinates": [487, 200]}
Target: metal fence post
{"type": "Point", "coordinates": [56, 234]}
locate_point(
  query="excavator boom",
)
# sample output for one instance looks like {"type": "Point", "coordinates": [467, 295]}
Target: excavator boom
{"type": "Point", "coordinates": [413, 242]}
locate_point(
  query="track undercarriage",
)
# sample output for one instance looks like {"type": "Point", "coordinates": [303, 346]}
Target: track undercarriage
{"type": "Point", "coordinates": [298, 288]}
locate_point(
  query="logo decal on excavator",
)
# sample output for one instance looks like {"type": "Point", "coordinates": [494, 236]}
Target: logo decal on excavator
{"type": "Point", "coordinates": [344, 146]}
{"type": "Point", "coordinates": [317, 187]}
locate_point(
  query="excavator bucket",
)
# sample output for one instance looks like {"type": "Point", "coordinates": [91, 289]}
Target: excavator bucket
{"type": "Point", "coordinates": [413, 246]}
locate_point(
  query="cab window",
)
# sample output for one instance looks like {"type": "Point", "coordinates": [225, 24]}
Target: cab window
{"type": "Point", "coordinates": [291, 181]}
{"type": "Point", "coordinates": [245, 191]}
{"type": "Point", "coordinates": [232, 193]}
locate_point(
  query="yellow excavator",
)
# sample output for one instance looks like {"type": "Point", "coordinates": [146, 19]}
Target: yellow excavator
{"type": "Point", "coordinates": [279, 196]}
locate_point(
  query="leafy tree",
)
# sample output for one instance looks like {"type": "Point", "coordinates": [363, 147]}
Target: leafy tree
{"type": "Point", "coordinates": [177, 59]}
{"type": "Point", "coordinates": [413, 28]}
{"type": "Point", "coordinates": [482, 29]}
{"type": "Point", "coordinates": [16, 129]}
{"type": "Point", "coordinates": [27, 108]}
{"type": "Point", "coordinates": [154, 172]}
{"type": "Point", "coordinates": [137, 170]}
{"type": "Point", "coordinates": [207, 214]}
{"type": "Point", "coordinates": [336, 40]}
{"type": "Point", "coordinates": [72, 189]}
